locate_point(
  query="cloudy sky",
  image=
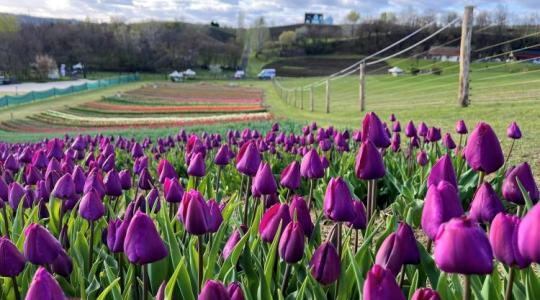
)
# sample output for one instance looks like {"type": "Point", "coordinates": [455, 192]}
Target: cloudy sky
{"type": "Point", "coordinates": [226, 11]}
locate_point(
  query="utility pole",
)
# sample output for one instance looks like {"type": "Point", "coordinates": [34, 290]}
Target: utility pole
{"type": "Point", "coordinates": [362, 86]}
{"type": "Point", "coordinates": [465, 56]}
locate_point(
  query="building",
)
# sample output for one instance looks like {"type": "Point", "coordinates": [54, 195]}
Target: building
{"type": "Point", "coordinates": [313, 18]}
{"type": "Point", "coordinates": [527, 54]}
{"type": "Point", "coordinates": [444, 53]}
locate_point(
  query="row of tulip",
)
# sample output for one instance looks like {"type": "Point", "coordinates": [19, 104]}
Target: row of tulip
{"type": "Point", "coordinates": [322, 214]}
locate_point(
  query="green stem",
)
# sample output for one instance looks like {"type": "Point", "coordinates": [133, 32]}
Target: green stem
{"type": "Point", "coordinates": [6, 221]}
{"type": "Point", "coordinates": [145, 282]}
{"type": "Point", "coordinates": [355, 240]}
{"type": "Point", "coordinates": [368, 200]}
{"type": "Point", "coordinates": [218, 179]}
{"type": "Point", "coordinates": [285, 282]}
{"type": "Point", "coordinates": [509, 284]}
{"type": "Point", "coordinates": [402, 277]}
{"type": "Point", "coordinates": [91, 254]}
{"type": "Point", "coordinates": [467, 288]}
{"type": "Point", "coordinates": [509, 153]}
{"type": "Point", "coordinates": [16, 288]}
{"type": "Point", "coordinates": [310, 192]}
{"type": "Point", "coordinates": [120, 271]}
{"type": "Point", "coordinates": [201, 262]}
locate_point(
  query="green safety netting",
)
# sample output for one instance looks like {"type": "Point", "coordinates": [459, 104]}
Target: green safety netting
{"type": "Point", "coordinates": [35, 96]}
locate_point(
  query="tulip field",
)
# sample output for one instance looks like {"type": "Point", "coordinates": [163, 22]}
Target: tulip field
{"type": "Point", "coordinates": [391, 209]}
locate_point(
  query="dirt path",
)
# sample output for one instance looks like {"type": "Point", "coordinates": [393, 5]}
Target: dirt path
{"type": "Point", "coordinates": [24, 110]}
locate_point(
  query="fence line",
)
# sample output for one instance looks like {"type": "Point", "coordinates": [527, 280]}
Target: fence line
{"type": "Point", "coordinates": [39, 95]}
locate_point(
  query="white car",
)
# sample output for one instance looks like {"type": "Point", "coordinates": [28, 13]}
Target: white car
{"type": "Point", "coordinates": [240, 74]}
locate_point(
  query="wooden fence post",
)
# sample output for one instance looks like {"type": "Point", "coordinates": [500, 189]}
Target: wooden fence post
{"type": "Point", "coordinates": [302, 98]}
{"type": "Point", "coordinates": [362, 86]}
{"type": "Point", "coordinates": [311, 99]}
{"type": "Point", "coordinates": [465, 56]}
{"type": "Point", "coordinates": [327, 96]}
{"type": "Point", "coordinates": [295, 100]}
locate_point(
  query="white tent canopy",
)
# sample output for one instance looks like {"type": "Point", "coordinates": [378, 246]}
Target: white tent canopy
{"type": "Point", "coordinates": [189, 73]}
{"type": "Point", "coordinates": [395, 71]}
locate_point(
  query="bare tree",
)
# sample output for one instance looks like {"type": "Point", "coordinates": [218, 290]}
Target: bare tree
{"type": "Point", "coordinates": [42, 65]}
{"type": "Point", "coordinates": [352, 19]}
{"type": "Point", "coordinates": [483, 19]}
{"type": "Point", "coordinates": [260, 34]}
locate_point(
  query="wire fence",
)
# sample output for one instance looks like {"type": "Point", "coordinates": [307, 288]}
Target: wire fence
{"type": "Point", "coordinates": [32, 96]}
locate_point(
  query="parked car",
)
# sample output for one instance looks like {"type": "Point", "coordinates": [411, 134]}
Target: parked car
{"type": "Point", "coordinates": [267, 74]}
{"type": "Point", "coordinates": [239, 74]}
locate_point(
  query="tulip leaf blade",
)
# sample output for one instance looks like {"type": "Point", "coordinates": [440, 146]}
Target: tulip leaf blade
{"type": "Point", "coordinates": [103, 295]}
{"type": "Point", "coordinates": [414, 284]}
{"type": "Point", "coordinates": [272, 256]}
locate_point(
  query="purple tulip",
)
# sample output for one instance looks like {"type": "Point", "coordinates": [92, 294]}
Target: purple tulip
{"type": "Point", "coordinates": [11, 260]}
{"type": "Point", "coordinates": [360, 218]}
{"type": "Point", "coordinates": [410, 130]}
{"type": "Point", "coordinates": [143, 244]}
{"type": "Point", "coordinates": [299, 210]}
{"type": "Point", "coordinates": [44, 287]}
{"type": "Point", "coordinates": [291, 243]}
{"type": "Point", "coordinates": [64, 187]}
{"type": "Point", "coordinates": [421, 158]}
{"type": "Point", "coordinates": [325, 264]}
{"type": "Point", "coordinates": [40, 247]}
{"type": "Point", "coordinates": [194, 213]}
{"type": "Point", "coordinates": [165, 170]}
{"type": "Point", "coordinates": [215, 216]}
{"type": "Point", "coordinates": [222, 156]}
{"type": "Point", "coordinates": [290, 176]}
{"type": "Point", "coordinates": [197, 166]}
{"type": "Point", "coordinates": [380, 284]}
{"type": "Point", "coordinates": [486, 204]}
{"type": "Point", "coordinates": [231, 243]}
{"type": "Point", "coordinates": [214, 290]}
{"type": "Point", "coordinates": [369, 163]}
{"type": "Point", "coordinates": [422, 129]}
{"type": "Point", "coordinates": [338, 201]}
{"type": "Point", "coordinates": [483, 151]}
{"type": "Point", "coordinates": [264, 180]}
{"type": "Point", "coordinates": [433, 134]}
{"type": "Point", "coordinates": [172, 190]}
{"type": "Point", "coordinates": [91, 207]}
{"type": "Point", "coordinates": [529, 235]}
{"type": "Point", "coordinates": [145, 180]}
{"type": "Point", "coordinates": [513, 131]}
{"type": "Point", "coordinates": [235, 291]}
{"type": "Point", "coordinates": [311, 166]}
{"type": "Point", "coordinates": [62, 265]}
{"type": "Point", "coordinates": [442, 170]}
{"type": "Point", "coordinates": [16, 194]}
{"type": "Point", "coordinates": [440, 205]}
{"type": "Point", "coordinates": [94, 181]}
{"type": "Point", "coordinates": [248, 159]}
{"type": "Point", "coordinates": [461, 246]}
{"type": "Point", "coordinates": [125, 179]}
{"type": "Point", "coordinates": [32, 175]}
{"type": "Point", "coordinates": [461, 128]}
{"type": "Point", "coordinates": [272, 218]}
{"type": "Point", "coordinates": [425, 294]}
{"type": "Point", "coordinates": [79, 179]}
{"type": "Point", "coordinates": [373, 130]}
{"type": "Point", "coordinates": [113, 186]}
{"type": "Point", "coordinates": [389, 255]}
{"type": "Point", "coordinates": [405, 236]}
{"type": "Point", "coordinates": [153, 201]}
{"type": "Point", "coordinates": [510, 188]}
{"type": "Point", "coordinates": [448, 142]}
{"type": "Point", "coordinates": [503, 236]}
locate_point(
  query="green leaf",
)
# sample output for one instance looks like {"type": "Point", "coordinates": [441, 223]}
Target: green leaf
{"type": "Point", "coordinates": [271, 257]}
{"type": "Point", "coordinates": [414, 284]}
{"type": "Point", "coordinates": [108, 289]}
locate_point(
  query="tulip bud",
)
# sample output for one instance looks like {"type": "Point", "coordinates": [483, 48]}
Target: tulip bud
{"type": "Point", "coordinates": [125, 179]}
{"type": "Point", "coordinates": [264, 180]}
{"type": "Point", "coordinates": [422, 129]}
{"type": "Point", "coordinates": [325, 264]}
{"type": "Point", "coordinates": [510, 188]}
{"type": "Point", "coordinates": [290, 176]}
{"type": "Point", "coordinates": [433, 134]}
{"type": "Point", "coordinates": [40, 247]}
{"type": "Point", "coordinates": [112, 184]}
{"type": "Point", "coordinates": [448, 142]}
{"type": "Point", "coordinates": [410, 130]}
{"type": "Point", "coordinates": [161, 291]}
{"type": "Point", "coordinates": [360, 219]}
{"type": "Point", "coordinates": [194, 213]}
{"type": "Point", "coordinates": [222, 156]}
{"type": "Point", "coordinates": [11, 260]}
{"type": "Point", "coordinates": [16, 193]}
{"type": "Point", "coordinates": [172, 190]}
{"type": "Point", "coordinates": [421, 158]}
{"type": "Point", "coordinates": [373, 130]}
{"type": "Point", "coordinates": [235, 291]}
{"type": "Point", "coordinates": [79, 178]}
{"type": "Point", "coordinates": [486, 204]}
{"type": "Point", "coordinates": [369, 162]}
{"type": "Point", "coordinates": [461, 128]}
{"type": "Point", "coordinates": [311, 166]}
{"type": "Point", "coordinates": [64, 187]}
{"type": "Point", "coordinates": [214, 290]}
{"type": "Point", "coordinates": [165, 170]}
{"type": "Point", "coordinates": [291, 243]}
{"type": "Point", "coordinates": [300, 210]}
{"type": "Point", "coordinates": [215, 216]}
{"type": "Point", "coordinates": [425, 294]}
{"type": "Point", "coordinates": [442, 170]}
{"type": "Point", "coordinates": [91, 207]}
{"type": "Point", "coordinates": [44, 286]}
{"type": "Point", "coordinates": [248, 159]}
{"type": "Point", "coordinates": [338, 202]}
{"type": "Point", "coordinates": [440, 205]}
{"type": "Point", "coordinates": [94, 181]}
{"type": "Point", "coordinates": [513, 131]}
{"type": "Point", "coordinates": [143, 244]}
{"type": "Point", "coordinates": [389, 255]}
{"type": "Point", "coordinates": [461, 246]}
{"type": "Point", "coordinates": [62, 265]}
{"type": "Point", "coordinates": [197, 166]}
{"type": "Point", "coordinates": [483, 151]}
{"type": "Point", "coordinates": [380, 284]}
{"type": "Point", "coordinates": [503, 236]}
{"type": "Point", "coordinates": [272, 218]}
{"type": "Point", "coordinates": [153, 201]}
{"type": "Point", "coordinates": [529, 235]}
{"type": "Point", "coordinates": [405, 236]}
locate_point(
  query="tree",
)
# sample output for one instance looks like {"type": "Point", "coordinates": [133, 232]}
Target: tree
{"type": "Point", "coordinates": [260, 34]}
{"type": "Point", "coordinates": [482, 19]}
{"type": "Point", "coordinates": [352, 19]}
{"type": "Point", "coordinates": [287, 38]}
{"type": "Point", "coordinates": [42, 65]}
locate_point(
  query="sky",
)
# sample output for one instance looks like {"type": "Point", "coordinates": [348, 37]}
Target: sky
{"type": "Point", "coordinates": [276, 12]}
